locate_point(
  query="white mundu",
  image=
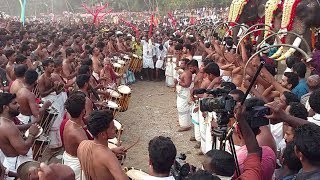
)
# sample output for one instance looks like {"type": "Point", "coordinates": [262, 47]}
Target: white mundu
{"type": "Point", "coordinates": [183, 106]}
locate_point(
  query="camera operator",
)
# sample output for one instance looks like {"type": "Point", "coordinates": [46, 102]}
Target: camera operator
{"type": "Point", "coordinates": [268, 160]}
{"type": "Point", "coordinates": [162, 154]}
{"type": "Point", "coordinates": [212, 74]}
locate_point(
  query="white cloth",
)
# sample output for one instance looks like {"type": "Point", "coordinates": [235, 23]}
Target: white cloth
{"type": "Point", "coordinates": [183, 106]}
{"type": "Point", "coordinates": [159, 64]}
{"type": "Point", "coordinates": [95, 75]}
{"type": "Point", "coordinates": [209, 139]}
{"type": "Point", "coordinates": [73, 163]}
{"type": "Point", "coordinates": [12, 163]}
{"type": "Point", "coordinates": [57, 101]}
{"type": "Point", "coordinates": [169, 74]}
{"type": "Point", "coordinates": [195, 121]}
{"type": "Point", "coordinates": [315, 119]}
{"type": "Point", "coordinates": [24, 119]}
{"type": "Point", "coordinates": [203, 129]}
{"type": "Point", "coordinates": [148, 51]}
{"type": "Point", "coordinates": [277, 133]}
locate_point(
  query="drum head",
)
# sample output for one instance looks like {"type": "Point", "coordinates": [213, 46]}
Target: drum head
{"type": "Point", "coordinates": [121, 62]}
{"type": "Point", "coordinates": [112, 105]}
{"type": "Point", "coordinates": [126, 57]}
{"type": "Point", "coordinates": [38, 135]}
{"type": "Point", "coordinates": [124, 89]}
{"type": "Point", "coordinates": [113, 93]}
{"type": "Point", "coordinates": [136, 174]}
{"type": "Point", "coordinates": [117, 124]}
{"type": "Point", "coordinates": [116, 65]}
{"type": "Point", "coordinates": [135, 56]}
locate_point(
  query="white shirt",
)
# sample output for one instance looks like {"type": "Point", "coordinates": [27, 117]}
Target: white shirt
{"type": "Point", "coordinates": [315, 119]}
{"type": "Point", "coordinates": [147, 50]}
{"type": "Point", "coordinates": [158, 178]}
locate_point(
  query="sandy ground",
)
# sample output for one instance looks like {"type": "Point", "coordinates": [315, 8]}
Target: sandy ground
{"type": "Point", "coordinates": [152, 112]}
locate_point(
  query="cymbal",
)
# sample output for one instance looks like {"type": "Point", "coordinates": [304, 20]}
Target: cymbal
{"type": "Point", "coordinates": [25, 169]}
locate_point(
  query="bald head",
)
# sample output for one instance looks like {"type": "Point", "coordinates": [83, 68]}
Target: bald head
{"type": "Point", "coordinates": [313, 82]}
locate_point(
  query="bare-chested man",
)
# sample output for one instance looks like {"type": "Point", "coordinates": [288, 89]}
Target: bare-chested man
{"type": "Point", "coordinates": [75, 131]}
{"type": "Point", "coordinates": [187, 49]}
{"type": "Point", "coordinates": [56, 76]}
{"type": "Point", "coordinates": [11, 56]}
{"type": "Point", "coordinates": [17, 84]}
{"type": "Point", "coordinates": [96, 63]}
{"type": "Point", "coordinates": [15, 148]}
{"type": "Point", "coordinates": [3, 58]}
{"type": "Point", "coordinates": [111, 44]}
{"type": "Point", "coordinates": [97, 160]}
{"type": "Point", "coordinates": [69, 68]}
{"type": "Point", "coordinates": [46, 84]}
{"type": "Point", "coordinates": [76, 46]}
{"type": "Point", "coordinates": [211, 78]}
{"type": "Point", "coordinates": [53, 91]}
{"type": "Point", "coordinates": [183, 97]}
{"type": "Point", "coordinates": [27, 99]}
{"type": "Point", "coordinates": [41, 52]}
{"type": "Point", "coordinates": [66, 43]}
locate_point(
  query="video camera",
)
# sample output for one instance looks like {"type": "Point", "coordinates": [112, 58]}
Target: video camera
{"type": "Point", "coordinates": [180, 169]}
{"type": "Point", "coordinates": [223, 105]}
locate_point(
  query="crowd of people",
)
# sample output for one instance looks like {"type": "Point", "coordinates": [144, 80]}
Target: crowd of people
{"type": "Point", "coordinates": [69, 71]}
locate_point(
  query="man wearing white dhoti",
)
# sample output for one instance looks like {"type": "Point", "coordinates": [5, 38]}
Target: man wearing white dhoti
{"type": "Point", "coordinates": [74, 131]}
{"type": "Point", "coordinates": [14, 147]}
{"type": "Point", "coordinates": [183, 97]}
{"type": "Point", "coordinates": [148, 50]}
{"type": "Point", "coordinates": [52, 91]}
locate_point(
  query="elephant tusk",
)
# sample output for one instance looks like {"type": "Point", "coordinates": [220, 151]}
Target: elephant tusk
{"type": "Point", "coordinates": [277, 54]}
{"type": "Point", "coordinates": [289, 53]}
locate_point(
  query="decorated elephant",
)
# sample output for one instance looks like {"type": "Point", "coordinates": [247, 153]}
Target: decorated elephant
{"type": "Point", "coordinates": [299, 16]}
{"type": "Point", "coordinates": [252, 12]}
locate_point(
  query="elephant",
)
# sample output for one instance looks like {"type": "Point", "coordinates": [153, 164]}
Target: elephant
{"type": "Point", "coordinates": [299, 16]}
{"type": "Point", "coordinates": [253, 11]}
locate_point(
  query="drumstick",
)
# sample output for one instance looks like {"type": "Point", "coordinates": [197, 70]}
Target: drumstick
{"type": "Point", "coordinates": [119, 136]}
{"type": "Point", "coordinates": [133, 144]}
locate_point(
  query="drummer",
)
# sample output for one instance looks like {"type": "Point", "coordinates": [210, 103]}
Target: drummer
{"type": "Point", "coordinates": [108, 75]}
{"type": "Point", "coordinates": [29, 109]}
{"type": "Point", "coordinates": [13, 146]}
{"type": "Point", "coordinates": [74, 131]}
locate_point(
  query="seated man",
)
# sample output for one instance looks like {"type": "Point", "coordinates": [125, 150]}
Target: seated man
{"type": "Point", "coordinates": [97, 160]}
{"type": "Point", "coordinates": [290, 164]}
{"type": "Point", "coordinates": [314, 102]}
{"type": "Point", "coordinates": [162, 154]}
{"type": "Point", "coordinates": [19, 71]}
{"type": "Point", "coordinates": [220, 163]}
{"type": "Point", "coordinates": [307, 143]}
{"type": "Point", "coordinates": [15, 148]}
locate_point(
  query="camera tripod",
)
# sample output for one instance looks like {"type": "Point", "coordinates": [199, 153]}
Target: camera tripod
{"type": "Point", "coordinates": [222, 134]}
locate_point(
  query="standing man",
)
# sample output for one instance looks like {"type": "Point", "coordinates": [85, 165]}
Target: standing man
{"type": "Point", "coordinates": [183, 98]}
{"type": "Point", "coordinates": [148, 55]}
{"type": "Point", "coordinates": [75, 131]}
{"type": "Point", "coordinates": [69, 69]}
{"type": "Point", "coordinates": [14, 147]}
{"type": "Point", "coordinates": [53, 91]}
{"type": "Point", "coordinates": [29, 109]}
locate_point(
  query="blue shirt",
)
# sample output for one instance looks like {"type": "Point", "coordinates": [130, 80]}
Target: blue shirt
{"type": "Point", "coordinates": [301, 89]}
